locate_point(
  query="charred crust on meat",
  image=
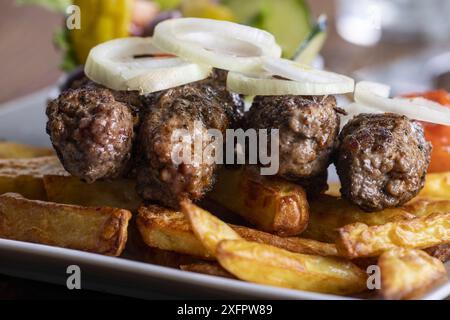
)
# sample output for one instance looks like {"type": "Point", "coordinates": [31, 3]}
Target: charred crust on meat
{"type": "Point", "coordinates": [159, 178]}
{"type": "Point", "coordinates": [308, 128]}
{"type": "Point", "coordinates": [382, 160]}
{"type": "Point", "coordinates": [92, 132]}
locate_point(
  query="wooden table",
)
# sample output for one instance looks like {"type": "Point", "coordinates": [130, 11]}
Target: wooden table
{"type": "Point", "coordinates": [29, 62]}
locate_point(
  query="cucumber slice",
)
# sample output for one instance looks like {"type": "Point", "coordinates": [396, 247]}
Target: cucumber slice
{"type": "Point", "coordinates": [288, 20]}
{"type": "Point", "coordinates": [245, 10]}
{"type": "Point", "coordinates": [311, 46]}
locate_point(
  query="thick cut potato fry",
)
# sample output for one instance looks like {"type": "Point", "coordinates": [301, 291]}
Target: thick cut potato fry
{"type": "Point", "coordinates": [360, 240]}
{"type": "Point", "coordinates": [328, 214]}
{"type": "Point", "coordinates": [293, 244]}
{"type": "Point", "coordinates": [25, 176]}
{"type": "Point", "coordinates": [71, 190]}
{"type": "Point", "coordinates": [408, 273]}
{"type": "Point", "coordinates": [271, 204]}
{"type": "Point", "coordinates": [264, 264]}
{"type": "Point", "coordinates": [137, 249]}
{"type": "Point", "coordinates": [38, 167]}
{"type": "Point", "coordinates": [209, 268]}
{"type": "Point", "coordinates": [421, 207]}
{"type": "Point", "coordinates": [334, 190]}
{"type": "Point", "coordinates": [170, 230]}
{"type": "Point", "coordinates": [12, 150]}
{"type": "Point", "coordinates": [437, 186]}
{"type": "Point", "coordinates": [99, 230]}
{"type": "Point", "coordinates": [209, 229]}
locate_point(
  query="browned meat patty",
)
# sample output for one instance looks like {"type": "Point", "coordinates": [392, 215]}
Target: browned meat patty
{"type": "Point", "coordinates": [382, 160]}
{"type": "Point", "coordinates": [91, 129]}
{"type": "Point", "coordinates": [159, 177]}
{"type": "Point", "coordinates": [308, 128]}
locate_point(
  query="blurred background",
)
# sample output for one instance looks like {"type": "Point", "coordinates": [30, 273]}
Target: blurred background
{"type": "Point", "coordinates": [404, 43]}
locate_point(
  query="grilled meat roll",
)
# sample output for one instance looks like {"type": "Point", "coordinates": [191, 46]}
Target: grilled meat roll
{"type": "Point", "coordinates": [92, 131]}
{"type": "Point", "coordinates": [308, 130]}
{"type": "Point", "coordinates": [382, 160]}
{"type": "Point", "coordinates": [195, 107]}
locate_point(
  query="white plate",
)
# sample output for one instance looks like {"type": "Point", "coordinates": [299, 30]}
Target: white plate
{"type": "Point", "coordinates": [23, 120]}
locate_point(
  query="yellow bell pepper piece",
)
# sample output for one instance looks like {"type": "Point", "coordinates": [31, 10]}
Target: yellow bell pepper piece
{"type": "Point", "coordinates": [101, 20]}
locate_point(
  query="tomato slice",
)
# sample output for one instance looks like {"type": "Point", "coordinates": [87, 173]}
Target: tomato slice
{"type": "Point", "coordinates": [438, 135]}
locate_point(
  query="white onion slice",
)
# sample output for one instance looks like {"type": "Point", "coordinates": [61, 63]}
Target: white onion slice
{"type": "Point", "coordinates": [303, 73]}
{"type": "Point", "coordinates": [367, 93]}
{"type": "Point", "coordinates": [114, 65]}
{"type": "Point", "coordinates": [355, 109]}
{"type": "Point", "coordinates": [300, 80]}
{"type": "Point", "coordinates": [221, 44]}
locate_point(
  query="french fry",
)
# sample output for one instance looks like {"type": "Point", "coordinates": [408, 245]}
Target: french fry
{"type": "Point", "coordinates": [334, 190]}
{"type": "Point", "coordinates": [98, 230]}
{"type": "Point", "coordinates": [25, 176]}
{"type": "Point", "coordinates": [328, 214]}
{"type": "Point", "coordinates": [437, 186]}
{"type": "Point", "coordinates": [137, 249]}
{"type": "Point", "coordinates": [271, 204]}
{"type": "Point", "coordinates": [12, 150]}
{"type": "Point", "coordinates": [209, 229]}
{"type": "Point", "coordinates": [360, 240]}
{"type": "Point", "coordinates": [421, 207]}
{"type": "Point", "coordinates": [170, 230]}
{"type": "Point", "coordinates": [167, 229]}
{"type": "Point", "coordinates": [264, 264]}
{"type": "Point", "coordinates": [408, 273]}
{"type": "Point", "coordinates": [209, 268]}
{"type": "Point", "coordinates": [34, 166]}
{"type": "Point", "coordinates": [293, 244]}
{"type": "Point", "coordinates": [118, 193]}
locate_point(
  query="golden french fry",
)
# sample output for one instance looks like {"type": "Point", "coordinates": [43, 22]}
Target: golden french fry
{"type": "Point", "coordinates": [209, 229]}
{"type": "Point", "coordinates": [99, 230]}
{"type": "Point", "coordinates": [328, 214]}
{"type": "Point", "coordinates": [25, 176]}
{"type": "Point", "coordinates": [360, 240]}
{"type": "Point", "coordinates": [118, 193]}
{"type": "Point", "coordinates": [170, 230]}
{"type": "Point", "coordinates": [408, 273]}
{"type": "Point", "coordinates": [271, 204]}
{"type": "Point", "coordinates": [437, 186]}
{"type": "Point", "coordinates": [33, 167]}
{"type": "Point", "coordinates": [421, 207]}
{"type": "Point", "coordinates": [334, 190]}
{"type": "Point", "coordinates": [10, 150]}
{"type": "Point", "coordinates": [293, 244]}
{"type": "Point", "coordinates": [264, 264]}
{"type": "Point", "coordinates": [137, 249]}
{"type": "Point", "coordinates": [209, 268]}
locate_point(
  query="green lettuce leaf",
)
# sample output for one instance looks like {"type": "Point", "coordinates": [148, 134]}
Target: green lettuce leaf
{"type": "Point", "coordinates": [62, 41]}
